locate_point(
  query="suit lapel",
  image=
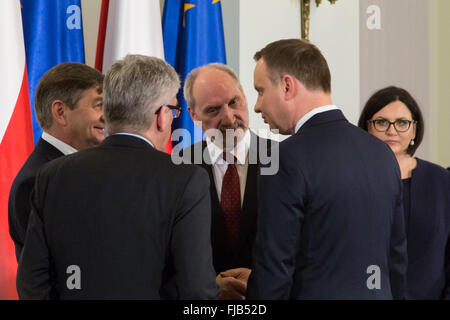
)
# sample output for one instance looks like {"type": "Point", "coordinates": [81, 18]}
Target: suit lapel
{"type": "Point", "coordinates": [218, 233]}
{"type": "Point", "coordinates": [249, 205]}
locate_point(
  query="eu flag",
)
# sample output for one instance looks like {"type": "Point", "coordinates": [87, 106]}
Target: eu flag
{"type": "Point", "coordinates": [193, 36]}
{"type": "Point", "coordinates": [53, 34]}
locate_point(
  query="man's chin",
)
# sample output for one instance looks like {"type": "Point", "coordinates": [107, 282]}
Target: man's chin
{"type": "Point", "coordinates": [97, 140]}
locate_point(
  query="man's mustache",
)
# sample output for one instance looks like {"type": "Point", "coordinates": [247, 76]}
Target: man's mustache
{"type": "Point", "coordinates": [238, 124]}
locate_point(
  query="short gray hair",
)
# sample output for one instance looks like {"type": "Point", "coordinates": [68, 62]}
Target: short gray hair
{"type": "Point", "coordinates": [134, 88]}
{"type": "Point", "coordinates": [192, 76]}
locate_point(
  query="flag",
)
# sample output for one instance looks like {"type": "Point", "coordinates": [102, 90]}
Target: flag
{"type": "Point", "coordinates": [53, 32]}
{"type": "Point", "coordinates": [16, 136]}
{"type": "Point", "coordinates": [129, 27]}
{"type": "Point", "coordinates": [193, 36]}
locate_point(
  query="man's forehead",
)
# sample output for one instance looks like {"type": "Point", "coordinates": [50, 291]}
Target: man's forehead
{"type": "Point", "coordinates": [217, 90]}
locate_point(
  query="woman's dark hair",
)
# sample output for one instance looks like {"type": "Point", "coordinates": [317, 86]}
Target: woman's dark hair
{"type": "Point", "coordinates": [385, 96]}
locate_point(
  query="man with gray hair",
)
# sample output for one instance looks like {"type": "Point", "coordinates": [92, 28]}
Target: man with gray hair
{"type": "Point", "coordinates": [121, 221]}
{"type": "Point", "coordinates": [231, 154]}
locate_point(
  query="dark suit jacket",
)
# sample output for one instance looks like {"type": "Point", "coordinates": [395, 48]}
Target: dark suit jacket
{"type": "Point", "coordinates": [19, 196]}
{"type": "Point", "coordinates": [224, 257]}
{"type": "Point", "coordinates": [121, 212]}
{"type": "Point", "coordinates": [330, 224]}
{"type": "Point", "coordinates": [428, 233]}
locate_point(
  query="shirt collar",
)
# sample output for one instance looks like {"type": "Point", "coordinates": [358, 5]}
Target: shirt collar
{"type": "Point", "coordinates": [58, 144]}
{"type": "Point", "coordinates": [312, 113]}
{"type": "Point", "coordinates": [137, 136]}
{"type": "Point", "coordinates": [240, 151]}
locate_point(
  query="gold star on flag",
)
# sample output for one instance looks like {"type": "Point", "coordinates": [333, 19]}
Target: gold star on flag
{"type": "Point", "coordinates": [187, 6]}
{"type": "Point", "coordinates": [215, 1]}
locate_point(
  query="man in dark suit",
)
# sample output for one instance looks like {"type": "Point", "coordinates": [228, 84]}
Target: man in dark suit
{"type": "Point", "coordinates": [68, 105]}
{"type": "Point", "coordinates": [330, 224]}
{"type": "Point", "coordinates": [216, 102]}
{"type": "Point", "coordinates": [110, 222]}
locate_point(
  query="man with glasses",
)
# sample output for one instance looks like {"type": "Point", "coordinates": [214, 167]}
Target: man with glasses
{"type": "Point", "coordinates": [176, 110]}
{"type": "Point", "coordinates": [121, 221]}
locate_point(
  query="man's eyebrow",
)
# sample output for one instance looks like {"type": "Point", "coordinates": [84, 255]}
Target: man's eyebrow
{"type": "Point", "coordinates": [212, 107]}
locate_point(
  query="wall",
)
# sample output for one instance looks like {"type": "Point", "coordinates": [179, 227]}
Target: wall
{"type": "Point", "coordinates": [439, 126]}
{"type": "Point", "coordinates": [397, 53]}
{"type": "Point", "coordinates": [335, 30]}
{"type": "Point", "coordinates": [91, 16]}
{"type": "Point", "coordinates": [261, 22]}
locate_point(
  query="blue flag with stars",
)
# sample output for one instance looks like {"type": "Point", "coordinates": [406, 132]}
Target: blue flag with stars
{"type": "Point", "coordinates": [53, 34]}
{"type": "Point", "coordinates": [193, 36]}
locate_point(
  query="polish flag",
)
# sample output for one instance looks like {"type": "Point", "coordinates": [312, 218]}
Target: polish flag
{"type": "Point", "coordinates": [129, 27]}
{"type": "Point", "coordinates": [16, 133]}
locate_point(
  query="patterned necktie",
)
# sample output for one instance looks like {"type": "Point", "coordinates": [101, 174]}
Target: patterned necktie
{"type": "Point", "coordinates": [230, 201]}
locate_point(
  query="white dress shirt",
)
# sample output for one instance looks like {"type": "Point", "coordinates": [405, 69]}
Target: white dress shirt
{"type": "Point", "coordinates": [219, 165]}
{"type": "Point", "coordinates": [312, 113]}
{"type": "Point", "coordinates": [58, 144]}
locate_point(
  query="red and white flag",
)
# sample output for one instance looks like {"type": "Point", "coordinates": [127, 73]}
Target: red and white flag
{"type": "Point", "coordinates": [16, 134]}
{"type": "Point", "coordinates": [129, 27]}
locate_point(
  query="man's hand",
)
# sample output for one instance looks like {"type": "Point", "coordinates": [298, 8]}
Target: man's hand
{"type": "Point", "coordinates": [233, 283]}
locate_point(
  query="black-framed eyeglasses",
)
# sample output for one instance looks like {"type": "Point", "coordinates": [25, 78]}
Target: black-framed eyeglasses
{"type": "Point", "coordinates": [175, 109]}
{"type": "Point", "coordinates": [383, 125]}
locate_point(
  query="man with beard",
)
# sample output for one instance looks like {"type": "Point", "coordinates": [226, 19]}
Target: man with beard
{"type": "Point", "coordinates": [231, 154]}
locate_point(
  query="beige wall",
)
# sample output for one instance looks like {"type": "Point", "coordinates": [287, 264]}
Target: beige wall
{"type": "Point", "coordinates": [91, 16]}
{"type": "Point", "coordinates": [440, 81]}
{"type": "Point", "coordinates": [397, 53]}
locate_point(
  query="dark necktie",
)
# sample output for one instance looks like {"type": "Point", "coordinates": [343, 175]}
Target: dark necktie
{"type": "Point", "coordinates": [230, 201]}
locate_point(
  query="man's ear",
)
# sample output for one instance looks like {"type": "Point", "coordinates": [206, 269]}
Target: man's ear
{"type": "Point", "coordinates": [162, 120]}
{"type": "Point", "coordinates": [193, 115]}
{"type": "Point", "coordinates": [59, 112]}
{"type": "Point", "coordinates": [289, 86]}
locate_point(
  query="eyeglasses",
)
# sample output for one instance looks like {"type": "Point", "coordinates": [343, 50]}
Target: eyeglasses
{"type": "Point", "coordinates": [383, 125]}
{"type": "Point", "coordinates": [175, 109]}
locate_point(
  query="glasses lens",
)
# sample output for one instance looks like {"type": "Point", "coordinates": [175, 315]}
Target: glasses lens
{"type": "Point", "coordinates": [381, 124]}
{"type": "Point", "coordinates": [402, 125]}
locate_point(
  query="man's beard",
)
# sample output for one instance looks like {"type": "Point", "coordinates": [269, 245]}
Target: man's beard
{"type": "Point", "coordinates": [231, 135]}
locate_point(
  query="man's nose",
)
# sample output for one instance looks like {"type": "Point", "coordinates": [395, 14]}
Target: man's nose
{"type": "Point", "coordinates": [228, 116]}
{"type": "Point", "coordinates": [257, 107]}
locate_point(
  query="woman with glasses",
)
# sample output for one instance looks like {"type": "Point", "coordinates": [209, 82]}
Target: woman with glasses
{"type": "Point", "coordinates": [392, 115]}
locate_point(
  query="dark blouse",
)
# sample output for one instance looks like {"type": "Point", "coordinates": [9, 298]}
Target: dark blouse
{"type": "Point", "coordinates": [407, 201]}
{"type": "Point", "coordinates": [427, 221]}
